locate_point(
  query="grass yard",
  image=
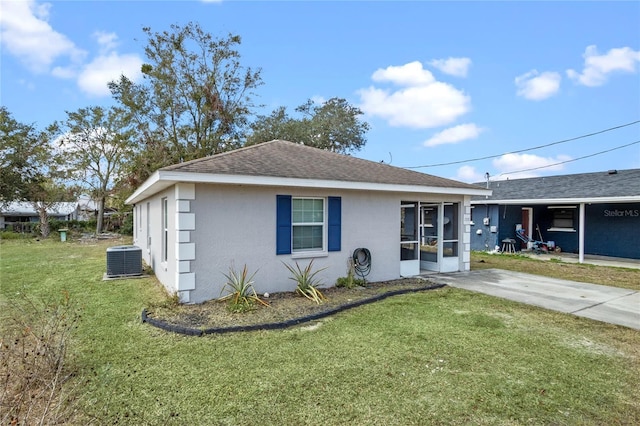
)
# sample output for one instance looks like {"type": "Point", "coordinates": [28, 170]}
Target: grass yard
{"type": "Point", "coordinates": [617, 277]}
{"type": "Point", "coordinates": [438, 357]}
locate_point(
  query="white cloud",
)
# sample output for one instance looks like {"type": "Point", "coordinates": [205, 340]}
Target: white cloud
{"type": "Point", "coordinates": [455, 134]}
{"type": "Point", "coordinates": [109, 65]}
{"type": "Point", "coordinates": [65, 72]}
{"type": "Point", "coordinates": [536, 87]}
{"type": "Point", "coordinates": [598, 67]}
{"type": "Point", "coordinates": [469, 174]}
{"type": "Point", "coordinates": [458, 67]}
{"type": "Point", "coordinates": [27, 35]}
{"type": "Point", "coordinates": [107, 41]}
{"type": "Point", "coordinates": [93, 78]}
{"type": "Point", "coordinates": [422, 102]}
{"type": "Point", "coordinates": [510, 163]}
{"type": "Point", "coordinates": [411, 74]}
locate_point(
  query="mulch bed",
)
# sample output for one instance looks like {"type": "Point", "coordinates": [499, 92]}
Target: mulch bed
{"type": "Point", "coordinates": [285, 309]}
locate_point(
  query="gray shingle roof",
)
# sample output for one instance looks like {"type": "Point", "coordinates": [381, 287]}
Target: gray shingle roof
{"type": "Point", "coordinates": [290, 160]}
{"type": "Point", "coordinates": [623, 183]}
{"type": "Point", "coordinates": [25, 208]}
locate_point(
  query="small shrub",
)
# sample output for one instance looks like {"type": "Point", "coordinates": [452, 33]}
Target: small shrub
{"type": "Point", "coordinates": [307, 281]}
{"type": "Point", "coordinates": [10, 235]}
{"type": "Point", "coordinates": [127, 225]}
{"type": "Point", "coordinates": [55, 224]}
{"type": "Point", "coordinates": [349, 282]}
{"type": "Point", "coordinates": [242, 296]}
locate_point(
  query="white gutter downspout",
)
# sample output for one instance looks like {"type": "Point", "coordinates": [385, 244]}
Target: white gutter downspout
{"type": "Point", "coordinates": [581, 227]}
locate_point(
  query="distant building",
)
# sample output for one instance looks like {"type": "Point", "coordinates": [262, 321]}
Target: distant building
{"type": "Point", "coordinates": [87, 209]}
{"type": "Point", "coordinates": [22, 214]}
{"type": "Point", "coordinates": [587, 213]}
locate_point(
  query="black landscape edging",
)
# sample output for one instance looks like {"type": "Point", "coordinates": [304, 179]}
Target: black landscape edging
{"type": "Point", "coordinates": [279, 325]}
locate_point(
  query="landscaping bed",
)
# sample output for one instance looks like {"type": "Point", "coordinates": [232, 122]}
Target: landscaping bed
{"type": "Point", "coordinates": [284, 308]}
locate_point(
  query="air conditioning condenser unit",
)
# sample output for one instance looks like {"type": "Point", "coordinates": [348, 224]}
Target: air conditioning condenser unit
{"type": "Point", "coordinates": [124, 261]}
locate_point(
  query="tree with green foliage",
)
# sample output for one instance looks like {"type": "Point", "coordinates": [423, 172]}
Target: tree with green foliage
{"type": "Point", "coordinates": [47, 196]}
{"type": "Point", "coordinates": [19, 148]}
{"type": "Point", "coordinates": [334, 125]}
{"type": "Point", "coordinates": [96, 144]}
{"type": "Point", "coordinates": [31, 169]}
{"type": "Point", "coordinates": [195, 99]}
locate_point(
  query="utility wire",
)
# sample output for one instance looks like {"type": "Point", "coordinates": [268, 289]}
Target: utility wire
{"type": "Point", "coordinates": [527, 149]}
{"type": "Point", "coordinates": [573, 159]}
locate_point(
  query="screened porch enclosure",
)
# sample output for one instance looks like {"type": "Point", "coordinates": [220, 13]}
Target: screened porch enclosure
{"type": "Point", "coordinates": [429, 237]}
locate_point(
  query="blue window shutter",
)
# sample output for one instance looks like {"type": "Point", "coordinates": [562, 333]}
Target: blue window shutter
{"type": "Point", "coordinates": [283, 224]}
{"type": "Point", "coordinates": [335, 223]}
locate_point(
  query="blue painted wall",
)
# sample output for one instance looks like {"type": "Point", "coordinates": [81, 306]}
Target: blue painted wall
{"type": "Point", "coordinates": [487, 240]}
{"type": "Point", "coordinates": [509, 217]}
{"type": "Point", "coordinates": [611, 229]}
{"type": "Point", "coordinates": [543, 217]}
{"type": "Point", "coordinates": [504, 218]}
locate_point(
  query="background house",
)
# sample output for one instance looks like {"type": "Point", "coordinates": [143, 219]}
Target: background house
{"type": "Point", "coordinates": [21, 215]}
{"type": "Point", "coordinates": [283, 202]}
{"type": "Point", "coordinates": [87, 209]}
{"type": "Point", "coordinates": [588, 213]}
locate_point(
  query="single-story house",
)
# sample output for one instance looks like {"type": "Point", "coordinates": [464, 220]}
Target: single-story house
{"type": "Point", "coordinates": [281, 202]}
{"type": "Point", "coordinates": [587, 213]}
{"type": "Point", "coordinates": [21, 214]}
{"type": "Point", "coordinates": [87, 209]}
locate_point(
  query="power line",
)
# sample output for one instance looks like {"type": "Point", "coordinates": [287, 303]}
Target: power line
{"type": "Point", "coordinates": [569, 161]}
{"type": "Point", "coordinates": [526, 149]}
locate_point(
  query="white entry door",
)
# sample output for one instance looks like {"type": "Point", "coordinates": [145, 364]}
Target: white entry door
{"type": "Point", "coordinates": [429, 237]}
{"type": "Point", "coordinates": [409, 243]}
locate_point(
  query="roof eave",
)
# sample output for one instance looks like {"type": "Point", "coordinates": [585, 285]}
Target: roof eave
{"type": "Point", "coordinates": [147, 189]}
{"type": "Point", "coordinates": [586, 200]}
{"type": "Point", "coordinates": [162, 179]}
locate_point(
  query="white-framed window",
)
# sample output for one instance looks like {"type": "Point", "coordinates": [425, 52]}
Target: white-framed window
{"type": "Point", "coordinates": [307, 224]}
{"type": "Point", "coordinates": [563, 218]}
{"type": "Point", "coordinates": [165, 229]}
{"type": "Point", "coordinates": [148, 226]}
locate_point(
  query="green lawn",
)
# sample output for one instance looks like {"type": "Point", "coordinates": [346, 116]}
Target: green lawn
{"type": "Point", "coordinates": [439, 357]}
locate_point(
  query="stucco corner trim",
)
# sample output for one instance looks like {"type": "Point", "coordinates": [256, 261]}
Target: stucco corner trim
{"type": "Point", "coordinates": [186, 281]}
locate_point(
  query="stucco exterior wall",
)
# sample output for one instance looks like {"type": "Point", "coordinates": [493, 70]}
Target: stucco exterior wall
{"type": "Point", "coordinates": [237, 226]}
{"type": "Point", "coordinates": [215, 227]}
{"type": "Point", "coordinates": [149, 236]}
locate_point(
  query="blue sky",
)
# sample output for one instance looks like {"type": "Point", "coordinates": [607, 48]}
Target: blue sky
{"type": "Point", "coordinates": [439, 82]}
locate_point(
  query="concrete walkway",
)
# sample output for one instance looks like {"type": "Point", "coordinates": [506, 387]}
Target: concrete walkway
{"type": "Point", "coordinates": [608, 304]}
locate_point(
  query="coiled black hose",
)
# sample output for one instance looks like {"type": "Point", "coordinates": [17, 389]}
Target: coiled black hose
{"type": "Point", "coordinates": [362, 262]}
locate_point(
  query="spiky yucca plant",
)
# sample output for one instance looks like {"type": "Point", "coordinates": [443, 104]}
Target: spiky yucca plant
{"type": "Point", "coordinates": [307, 281]}
{"type": "Point", "coordinates": [242, 295]}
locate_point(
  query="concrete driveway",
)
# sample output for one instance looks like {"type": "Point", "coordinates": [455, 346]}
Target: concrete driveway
{"type": "Point", "coordinates": [609, 304]}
